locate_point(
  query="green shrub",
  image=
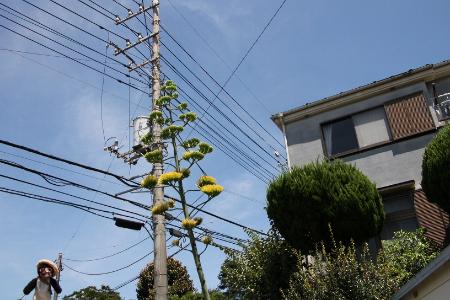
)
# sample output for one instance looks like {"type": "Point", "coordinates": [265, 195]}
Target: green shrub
{"type": "Point", "coordinates": [408, 253]}
{"type": "Point", "coordinates": [436, 169]}
{"type": "Point", "coordinates": [304, 202]}
{"type": "Point", "coordinates": [341, 274]}
{"type": "Point", "coordinates": [260, 270]}
{"type": "Point", "coordinates": [178, 279]}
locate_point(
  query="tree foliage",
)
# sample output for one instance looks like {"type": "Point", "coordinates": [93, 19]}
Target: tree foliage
{"type": "Point", "coordinates": [91, 292]}
{"type": "Point", "coordinates": [304, 202]}
{"type": "Point", "coordinates": [178, 278]}
{"type": "Point", "coordinates": [408, 253]}
{"type": "Point", "coordinates": [345, 273]}
{"type": "Point", "coordinates": [214, 294]}
{"type": "Point", "coordinates": [260, 270]}
{"type": "Point", "coordinates": [341, 274]}
{"type": "Point", "coordinates": [436, 169]}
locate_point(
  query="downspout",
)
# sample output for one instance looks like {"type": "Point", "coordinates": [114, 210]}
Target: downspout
{"type": "Point", "coordinates": [283, 129]}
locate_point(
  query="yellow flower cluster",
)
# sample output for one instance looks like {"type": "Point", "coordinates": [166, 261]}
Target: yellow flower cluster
{"type": "Point", "coordinates": [171, 203]}
{"type": "Point", "coordinates": [169, 177]}
{"type": "Point", "coordinates": [207, 240]}
{"type": "Point", "coordinates": [198, 220]}
{"type": "Point", "coordinates": [189, 223]}
{"type": "Point", "coordinates": [188, 117]}
{"type": "Point", "coordinates": [193, 155]}
{"type": "Point", "coordinates": [154, 156]}
{"type": "Point", "coordinates": [149, 182]}
{"type": "Point", "coordinates": [156, 116]}
{"type": "Point", "coordinates": [185, 172]}
{"type": "Point", "coordinates": [206, 180]}
{"type": "Point", "coordinates": [205, 148]}
{"type": "Point", "coordinates": [176, 243]}
{"type": "Point", "coordinates": [191, 143]}
{"type": "Point", "coordinates": [160, 208]}
{"type": "Point", "coordinates": [212, 190]}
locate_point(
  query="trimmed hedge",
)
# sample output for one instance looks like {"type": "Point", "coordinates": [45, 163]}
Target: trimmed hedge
{"type": "Point", "coordinates": [304, 202]}
{"type": "Point", "coordinates": [436, 169]}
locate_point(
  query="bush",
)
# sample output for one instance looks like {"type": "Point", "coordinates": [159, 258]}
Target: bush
{"type": "Point", "coordinates": [436, 169]}
{"type": "Point", "coordinates": [178, 279]}
{"type": "Point", "coordinates": [92, 292]}
{"type": "Point", "coordinates": [341, 274]}
{"type": "Point", "coordinates": [408, 253]}
{"type": "Point", "coordinates": [260, 270]}
{"type": "Point", "coordinates": [304, 202]}
{"type": "Point", "coordinates": [346, 273]}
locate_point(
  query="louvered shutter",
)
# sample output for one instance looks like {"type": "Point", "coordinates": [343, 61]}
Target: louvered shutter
{"type": "Point", "coordinates": [431, 217]}
{"type": "Point", "coordinates": [409, 116]}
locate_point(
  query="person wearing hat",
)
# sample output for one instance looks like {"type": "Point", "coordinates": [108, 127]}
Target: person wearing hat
{"type": "Point", "coordinates": [42, 284]}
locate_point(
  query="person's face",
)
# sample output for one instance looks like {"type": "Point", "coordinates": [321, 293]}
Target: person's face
{"type": "Point", "coordinates": [45, 272]}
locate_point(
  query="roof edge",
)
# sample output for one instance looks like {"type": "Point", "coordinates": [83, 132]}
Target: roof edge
{"type": "Point", "coordinates": [428, 71]}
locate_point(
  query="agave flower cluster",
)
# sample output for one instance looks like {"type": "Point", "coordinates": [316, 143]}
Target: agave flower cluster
{"type": "Point", "coordinates": [208, 185]}
{"type": "Point", "coordinates": [173, 116]}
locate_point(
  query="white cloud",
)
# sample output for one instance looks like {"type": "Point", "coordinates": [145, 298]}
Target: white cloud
{"type": "Point", "coordinates": [222, 19]}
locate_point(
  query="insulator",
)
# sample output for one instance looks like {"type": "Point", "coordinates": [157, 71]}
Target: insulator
{"type": "Point", "coordinates": [117, 18]}
{"type": "Point", "coordinates": [130, 12]}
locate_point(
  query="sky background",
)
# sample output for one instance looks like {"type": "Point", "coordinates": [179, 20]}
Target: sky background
{"type": "Point", "coordinates": [311, 50]}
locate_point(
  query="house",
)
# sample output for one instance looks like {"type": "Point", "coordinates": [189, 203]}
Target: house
{"type": "Point", "coordinates": [382, 128]}
{"type": "Point", "coordinates": [431, 283]}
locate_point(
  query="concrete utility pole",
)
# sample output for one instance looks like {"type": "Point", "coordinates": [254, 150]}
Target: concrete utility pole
{"type": "Point", "coordinates": [58, 276]}
{"type": "Point", "coordinates": [160, 254]}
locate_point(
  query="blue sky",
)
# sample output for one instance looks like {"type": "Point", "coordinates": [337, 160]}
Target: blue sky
{"type": "Point", "coordinates": [310, 51]}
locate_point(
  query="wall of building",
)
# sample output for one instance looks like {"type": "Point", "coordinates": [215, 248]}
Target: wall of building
{"type": "Point", "coordinates": [390, 164]}
{"type": "Point", "coordinates": [435, 287]}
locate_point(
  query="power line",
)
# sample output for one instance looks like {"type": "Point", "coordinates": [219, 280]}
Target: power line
{"type": "Point", "coordinates": [66, 161]}
{"type": "Point", "coordinates": [74, 41]}
{"type": "Point", "coordinates": [108, 256]}
{"type": "Point", "coordinates": [228, 94]}
{"type": "Point", "coordinates": [251, 47]}
{"type": "Point", "coordinates": [107, 173]}
{"type": "Point", "coordinates": [108, 272]}
{"type": "Point", "coordinates": [217, 54]}
{"type": "Point", "coordinates": [74, 196]}
{"type": "Point", "coordinates": [214, 80]}
{"type": "Point", "coordinates": [69, 57]}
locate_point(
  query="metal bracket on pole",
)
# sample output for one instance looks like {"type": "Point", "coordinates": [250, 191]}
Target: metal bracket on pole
{"type": "Point", "coordinates": [129, 45]}
{"type": "Point", "coordinates": [131, 14]}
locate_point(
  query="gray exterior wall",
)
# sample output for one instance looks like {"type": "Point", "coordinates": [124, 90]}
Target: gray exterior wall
{"type": "Point", "coordinates": [390, 164]}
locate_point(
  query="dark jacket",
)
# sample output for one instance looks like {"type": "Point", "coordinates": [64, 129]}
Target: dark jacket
{"type": "Point", "coordinates": [32, 284]}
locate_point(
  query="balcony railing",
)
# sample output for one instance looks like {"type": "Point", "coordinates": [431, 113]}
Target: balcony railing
{"type": "Point", "coordinates": [442, 106]}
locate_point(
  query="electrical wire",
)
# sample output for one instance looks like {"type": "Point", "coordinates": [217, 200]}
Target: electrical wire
{"type": "Point", "coordinates": [215, 52]}
{"type": "Point", "coordinates": [108, 272]}
{"type": "Point", "coordinates": [69, 57]}
{"type": "Point", "coordinates": [108, 256]}
{"type": "Point", "coordinates": [107, 173]}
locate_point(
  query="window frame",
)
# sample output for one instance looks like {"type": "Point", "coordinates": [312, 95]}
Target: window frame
{"type": "Point", "coordinates": [359, 149]}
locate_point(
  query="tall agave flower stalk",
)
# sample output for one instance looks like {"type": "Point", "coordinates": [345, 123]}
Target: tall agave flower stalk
{"type": "Point", "coordinates": [174, 116]}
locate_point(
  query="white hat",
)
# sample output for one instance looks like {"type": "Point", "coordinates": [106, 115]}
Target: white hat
{"type": "Point", "coordinates": [48, 263]}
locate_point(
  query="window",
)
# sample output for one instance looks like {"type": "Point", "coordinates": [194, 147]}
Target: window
{"type": "Point", "coordinates": [356, 132]}
{"type": "Point", "coordinates": [400, 213]}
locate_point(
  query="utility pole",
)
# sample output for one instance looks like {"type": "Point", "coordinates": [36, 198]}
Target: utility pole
{"type": "Point", "coordinates": [160, 283]}
{"type": "Point", "coordinates": [58, 276]}
{"type": "Point", "coordinates": [160, 254]}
